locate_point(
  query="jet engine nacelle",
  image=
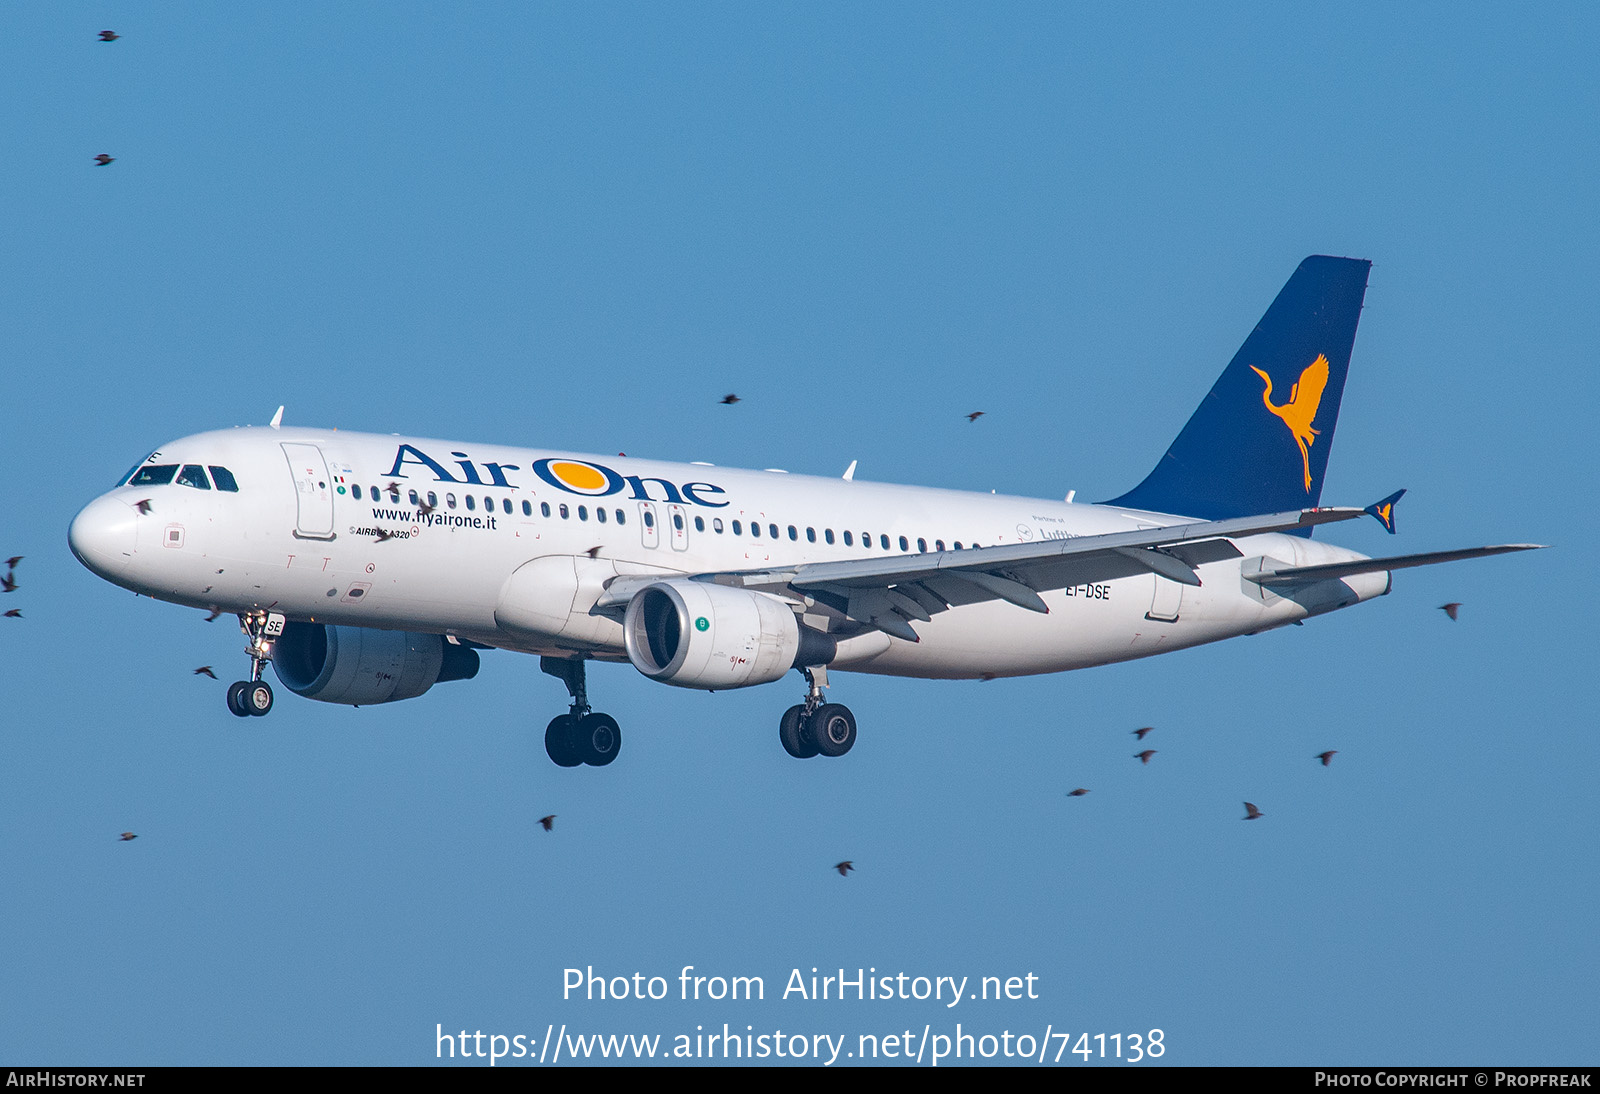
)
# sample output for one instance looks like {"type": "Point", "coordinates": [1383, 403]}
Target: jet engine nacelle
{"type": "Point", "coordinates": [694, 634]}
{"type": "Point", "coordinates": [360, 666]}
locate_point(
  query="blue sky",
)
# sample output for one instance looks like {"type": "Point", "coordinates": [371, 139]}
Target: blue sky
{"type": "Point", "coordinates": [577, 227]}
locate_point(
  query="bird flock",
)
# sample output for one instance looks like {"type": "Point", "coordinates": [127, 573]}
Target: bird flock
{"type": "Point", "coordinates": [8, 584]}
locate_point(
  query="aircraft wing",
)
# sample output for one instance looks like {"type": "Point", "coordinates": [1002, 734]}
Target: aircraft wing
{"type": "Point", "coordinates": [891, 591]}
{"type": "Point", "coordinates": [1306, 575]}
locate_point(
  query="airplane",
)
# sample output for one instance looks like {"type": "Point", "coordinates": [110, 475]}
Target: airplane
{"type": "Point", "coordinates": [367, 568]}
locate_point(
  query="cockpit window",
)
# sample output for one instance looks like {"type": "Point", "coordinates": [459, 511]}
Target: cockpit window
{"type": "Point", "coordinates": [128, 474]}
{"type": "Point", "coordinates": [194, 475]}
{"type": "Point", "coordinates": [157, 475]}
{"type": "Point", "coordinates": [224, 479]}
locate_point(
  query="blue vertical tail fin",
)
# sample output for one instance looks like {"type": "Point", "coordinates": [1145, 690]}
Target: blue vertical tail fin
{"type": "Point", "coordinates": [1259, 441]}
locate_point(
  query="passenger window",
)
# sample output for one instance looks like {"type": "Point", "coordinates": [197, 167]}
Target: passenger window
{"type": "Point", "coordinates": [827, 535]}
{"type": "Point", "coordinates": [958, 545]}
{"type": "Point", "coordinates": [433, 500]}
{"type": "Point", "coordinates": [922, 546]}
{"type": "Point", "coordinates": [600, 515]}
{"type": "Point", "coordinates": [847, 540]}
{"type": "Point", "coordinates": [450, 500]}
{"type": "Point", "coordinates": [562, 509]}
{"type": "Point", "coordinates": [938, 544]}
{"type": "Point", "coordinates": [544, 509]}
{"type": "Point", "coordinates": [583, 512]}
{"type": "Point", "coordinates": [355, 489]}
{"type": "Point", "coordinates": [905, 544]}
{"type": "Point", "coordinates": [159, 475]}
{"type": "Point", "coordinates": [505, 506]}
{"type": "Point", "coordinates": [649, 519]}
{"type": "Point", "coordinates": [677, 521]}
{"type": "Point", "coordinates": [883, 538]}
{"type": "Point", "coordinates": [412, 498]}
{"type": "Point", "coordinates": [772, 529]}
{"type": "Point", "coordinates": [811, 535]}
{"type": "Point", "coordinates": [224, 480]}
{"type": "Point", "coordinates": [794, 536]}
{"type": "Point", "coordinates": [622, 518]}
{"type": "Point", "coordinates": [755, 530]}
{"type": "Point", "coordinates": [716, 525]}
{"type": "Point", "coordinates": [527, 508]}
{"type": "Point", "coordinates": [472, 503]}
{"type": "Point", "coordinates": [737, 530]}
{"type": "Point", "coordinates": [699, 524]}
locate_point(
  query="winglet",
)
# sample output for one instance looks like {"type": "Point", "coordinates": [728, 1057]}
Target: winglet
{"type": "Point", "coordinates": [1383, 511]}
{"type": "Point", "coordinates": [277, 419]}
{"type": "Point", "coordinates": [850, 472]}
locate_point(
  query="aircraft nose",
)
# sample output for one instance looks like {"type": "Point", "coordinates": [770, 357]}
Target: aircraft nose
{"type": "Point", "coordinates": [103, 535]}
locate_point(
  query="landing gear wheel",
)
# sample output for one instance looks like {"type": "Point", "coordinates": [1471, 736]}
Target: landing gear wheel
{"type": "Point", "coordinates": [236, 698]}
{"type": "Point", "coordinates": [560, 741]}
{"type": "Point", "coordinates": [833, 728]}
{"type": "Point", "coordinates": [792, 733]}
{"type": "Point", "coordinates": [598, 739]}
{"type": "Point", "coordinates": [256, 698]}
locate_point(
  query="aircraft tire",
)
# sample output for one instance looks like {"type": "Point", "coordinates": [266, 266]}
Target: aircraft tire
{"type": "Point", "coordinates": [560, 742]}
{"type": "Point", "coordinates": [833, 728]}
{"type": "Point", "coordinates": [256, 698]}
{"type": "Point", "coordinates": [236, 698]}
{"type": "Point", "coordinates": [599, 739]}
{"type": "Point", "coordinates": [792, 733]}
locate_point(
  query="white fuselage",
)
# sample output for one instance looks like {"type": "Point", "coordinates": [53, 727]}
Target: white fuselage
{"type": "Point", "coordinates": [299, 537]}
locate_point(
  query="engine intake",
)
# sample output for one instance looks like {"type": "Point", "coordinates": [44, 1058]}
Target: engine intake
{"type": "Point", "coordinates": [694, 634]}
{"type": "Point", "coordinates": [362, 666]}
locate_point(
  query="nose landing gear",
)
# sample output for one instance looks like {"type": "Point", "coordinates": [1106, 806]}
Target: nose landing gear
{"type": "Point", "coordinates": [254, 696]}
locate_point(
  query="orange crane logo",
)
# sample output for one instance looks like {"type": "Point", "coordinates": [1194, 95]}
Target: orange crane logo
{"type": "Point", "coordinates": [1301, 409]}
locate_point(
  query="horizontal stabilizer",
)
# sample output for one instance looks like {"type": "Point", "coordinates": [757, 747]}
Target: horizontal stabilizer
{"type": "Point", "coordinates": [1307, 575]}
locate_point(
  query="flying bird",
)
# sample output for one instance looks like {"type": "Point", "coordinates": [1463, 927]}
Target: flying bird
{"type": "Point", "coordinates": [11, 563]}
{"type": "Point", "coordinates": [424, 509]}
{"type": "Point", "coordinates": [975, 415]}
{"type": "Point", "coordinates": [109, 36]}
{"type": "Point", "coordinates": [393, 488]}
{"type": "Point", "coordinates": [14, 613]}
{"type": "Point", "coordinates": [1078, 793]}
{"type": "Point", "coordinates": [1251, 812]}
{"type": "Point", "coordinates": [1325, 757]}
{"type": "Point", "coordinates": [143, 505]}
{"type": "Point", "coordinates": [126, 836]}
{"type": "Point", "coordinates": [382, 535]}
{"type": "Point", "coordinates": [215, 612]}
{"type": "Point", "coordinates": [8, 583]}
{"type": "Point", "coordinates": [1451, 609]}
{"type": "Point", "coordinates": [102, 159]}
{"type": "Point", "coordinates": [844, 867]}
{"type": "Point", "coordinates": [205, 670]}
{"type": "Point", "coordinates": [1139, 733]}
{"type": "Point", "coordinates": [729, 400]}
{"type": "Point", "coordinates": [548, 822]}
{"type": "Point", "coordinates": [1144, 757]}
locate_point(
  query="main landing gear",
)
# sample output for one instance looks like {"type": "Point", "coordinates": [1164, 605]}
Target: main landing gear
{"type": "Point", "coordinates": [254, 696]}
{"type": "Point", "coordinates": [580, 736]}
{"type": "Point", "coordinates": [815, 727]}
